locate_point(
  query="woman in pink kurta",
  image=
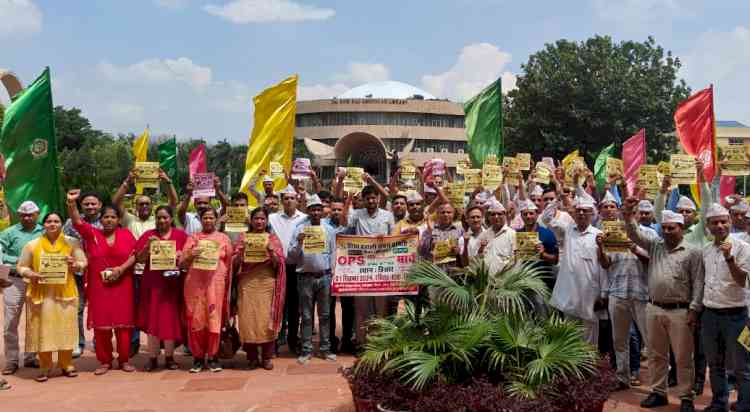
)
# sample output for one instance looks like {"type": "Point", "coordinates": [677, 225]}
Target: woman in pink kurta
{"type": "Point", "coordinates": [160, 303]}
{"type": "Point", "coordinates": [206, 290]}
{"type": "Point", "coordinates": [111, 301]}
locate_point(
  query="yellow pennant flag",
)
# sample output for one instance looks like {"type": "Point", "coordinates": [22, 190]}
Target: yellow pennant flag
{"type": "Point", "coordinates": [273, 132]}
{"type": "Point", "coordinates": [140, 152]}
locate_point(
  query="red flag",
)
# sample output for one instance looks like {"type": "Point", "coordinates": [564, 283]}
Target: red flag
{"type": "Point", "coordinates": [197, 162]}
{"type": "Point", "coordinates": [694, 120]}
{"type": "Point", "coordinates": [633, 156]}
{"type": "Point", "coordinates": [726, 186]}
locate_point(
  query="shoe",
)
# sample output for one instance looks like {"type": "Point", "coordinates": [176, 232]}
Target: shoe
{"type": "Point", "coordinates": [197, 366]}
{"type": "Point", "coordinates": [687, 406]}
{"type": "Point", "coordinates": [77, 352]}
{"type": "Point", "coordinates": [170, 364]}
{"type": "Point", "coordinates": [152, 365]}
{"type": "Point", "coordinates": [622, 386]}
{"type": "Point", "coordinates": [329, 356]}
{"type": "Point", "coordinates": [10, 369]}
{"type": "Point", "coordinates": [70, 373]}
{"type": "Point", "coordinates": [214, 365]}
{"type": "Point", "coordinates": [634, 381]}
{"type": "Point", "coordinates": [698, 388]}
{"type": "Point", "coordinates": [653, 400]}
{"type": "Point", "coordinates": [267, 364]}
{"type": "Point", "coordinates": [43, 377]}
{"type": "Point", "coordinates": [253, 364]}
{"type": "Point", "coordinates": [101, 370]}
{"type": "Point", "coordinates": [126, 367]}
{"type": "Point", "coordinates": [4, 385]}
{"type": "Point", "coordinates": [304, 358]}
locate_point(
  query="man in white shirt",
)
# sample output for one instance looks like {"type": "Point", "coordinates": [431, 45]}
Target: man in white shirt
{"type": "Point", "coordinates": [283, 224]}
{"type": "Point", "coordinates": [191, 221]}
{"type": "Point", "coordinates": [727, 263]}
{"type": "Point", "coordinates": [581, 282]}
{"type": "Point", "coordinates": [501, 239]}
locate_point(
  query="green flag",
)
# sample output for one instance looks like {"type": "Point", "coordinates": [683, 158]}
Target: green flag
{"type": "Point", "coordinates": [27, 140]}
{"type": "Point", "coordinates": [600, 167]}
{"type": "Point", "coordinates": [168, 158]}
{"type": "Point", "coordinates": [484, 123]}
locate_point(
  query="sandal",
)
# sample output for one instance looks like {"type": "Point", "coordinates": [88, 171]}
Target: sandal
{"type": "Point", "coordinates": [4, 385]}
{"type": "Point", "coordinates": [126, 367]}
{"type": "Point", "coordinates": [171, 364]}
{"type": "Point", "coordinates": [43, 377]}
{"type": "Point", "coordinates": [70, 373]}
{"type": "Point", "coordinates": [102, 369]}
{"type": "Point", "coordinates": [10, 370]}
{"type": "Point", "coordinates": [152, 365]}
{"type": "Point", "coordinates": [267, 364]}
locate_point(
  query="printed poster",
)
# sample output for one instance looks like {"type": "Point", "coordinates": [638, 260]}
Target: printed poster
{"type": "Point", "coordinates": [463, 164]}
{"type": "Point", "coordinates": [353, 182]}
{"type": "Point", "coordinates": [744, 338]}
{"type": "Point", "coordinates": [147, 174]}
{"type": "Point", "coordinates": [472, 179]}
{"type": "Point", "coordinates": [203, 185]}
{"type": "Point", "coordinates": [526, 243]}
{"type": "Point", "coordinates": [734, 160]}
{"type": "Point", "coordinates": [455, 194]}
{"type": "Point", "coordinates": [53, 267]}
{"type": "Point", "coordinates": [408, 171]}
{"type": "Point", "coordinates": [615, 237]}
{"type": "Point", "coordinates": [163, 255]}
{"type": "Point", "coordinates": [542, 173]}
{"type": "Point", "coordinates": [236, 219]}
{"type": "Point", "coordinates": [276, 170]}
{"type": "Point", "coordinates": [442, 251]}
{"type": "Point", "coordinates": [301, 168]}
{"type": "Point", "coordinates": [372, 266]}
{"type": "Point", "coordinates": [524, 161]}
{"type": "Point", "coordinates": [683, 169]}
{"type": "Point", "coordinates": [648, 179]}
{"type": "Point", "coordinates": [492, 176]}
{"type": "Point", "coordinates": [615, 167]}
{"type": "Point", "coordinates": [513, 176]}
{"type": "Point", "coordinates": [208, 259]}
{"type": "Point", "coordinates": [315, 239]}
{"type": "Point", "coordinates": [256, 247]}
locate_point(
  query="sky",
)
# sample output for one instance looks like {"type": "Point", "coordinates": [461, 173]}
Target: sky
{"type": "Point", "coordinates": [191, 67]}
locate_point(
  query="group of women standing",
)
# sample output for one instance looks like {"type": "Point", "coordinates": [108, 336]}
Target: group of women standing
{"type": "Point", "coordinates": [187, 304]}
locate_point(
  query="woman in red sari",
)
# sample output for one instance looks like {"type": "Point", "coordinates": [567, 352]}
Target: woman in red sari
{"type": "Point", "coordinates": [207, 256]}
{"type": "Point", "coordinates": [109, 283]}
{"type": "Point", "coordinates": [260, 293]}
{"type": "Point", "coordinates": [160, 304]}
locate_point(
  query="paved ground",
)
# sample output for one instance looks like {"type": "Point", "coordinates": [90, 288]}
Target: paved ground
{"type": "Point", "coordinates": [316, 386]}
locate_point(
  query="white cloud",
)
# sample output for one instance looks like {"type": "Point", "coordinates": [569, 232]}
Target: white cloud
{"type": "Point", "coordinates": [126, 113]}
{"type": "Point", "coordinates": [171, 4]}
{"type": "Point", "coordinates": [321, 91]}
{"type": "Point", "coordinates": [262, 11]}
{"type": "Point", "coordinates": [477, 66]}
{"type": "Point", "coordinates": [364, 73]}
{"type": "Point", "coordinates": [159, 71]}
{"type": "Point", "coordinates": [19, 17]}
{"type": "Point", "coordinates": [722, 58]}
{"type": "Point", "coordinates": [629, 18]}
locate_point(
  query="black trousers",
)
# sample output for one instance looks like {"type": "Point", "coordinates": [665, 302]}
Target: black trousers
{"type": "Point", "coordinates": [291, 307]}
{"type": "Point", "coordinates": [347, 318]}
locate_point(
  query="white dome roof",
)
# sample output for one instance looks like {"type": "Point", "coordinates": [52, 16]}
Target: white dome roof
{"type": "Point", "coordinates": [385, 90]}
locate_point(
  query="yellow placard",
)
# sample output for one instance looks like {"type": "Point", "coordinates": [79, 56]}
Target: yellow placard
{"type": "Point", "coordinates": [277, 169]}
{"type": "Point", "coordinates": [615, 236]}
{"type": "Point", "coordinates": [147, 174]}
{"type": "Point", "coordinates": [649, 180]}
{"type": "Point", "coordinates": [472, 179]}
{"type": "Point", "coordinates": [491, 159]}
{"type": "Point", "coordinates": [353, 182]}
{"type": "Point", "coordinates": [162, 255]}
{"type": "Point", "coordinates": [442, 251]}
{"type": "Point", "coordinates": [526, 243]}
{"type": "Point", "coordinates": [492, 176]}
{"type": "Point", "coordinates": [524, 161]}
{"type": "Point", "coordinates": [208, 258]}
{"type": "Point", "coordinates": [513, 174]}
{"type": "Point", "coordinates": [615, 167]}
{"type": "Point", "coordinates": [455, 194]}
{"type": "Point", "coordinates": [542, 173]}
{"type": "Point", "coordinates": [315, 239]}
{"type": "Point", "coordinates": [734, 160]}
{"type": "Point", "coordinates": [744, 338]}
{"type": "Point", "coordinates": [256, 248]}
{"type": "Point", "coordinates": [683, 169]}
{"type": "Point", "coordinates": [53, 267]}
{"type": "Point", "coordinates": [463, 164]}
{"type": "Point", "coordinates": [236, 219]}
{"type": "Point", "coordinates": [408, 171]}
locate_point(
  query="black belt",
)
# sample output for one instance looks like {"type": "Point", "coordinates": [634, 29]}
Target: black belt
{"type": "Point", "coordinates": [672, 305]}
{"type": "Point", "coordinates": [316, 274]}
{"type": "Point", "coordinates": [729, 311]}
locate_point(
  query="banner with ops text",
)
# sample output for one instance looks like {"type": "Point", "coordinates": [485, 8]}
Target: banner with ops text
{"type": "Point", "coordinates": [373, 266]}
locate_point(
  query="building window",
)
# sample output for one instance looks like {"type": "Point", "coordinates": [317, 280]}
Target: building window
{"type": "Point", "coordinates": [736, 140]}
{"type": "Point", "coordinates": [417, 149]}
{"type": "Point", "coordinates": [460, 151]}
{"type": "Point", "coordinates": [444, 150]}
{"type": "Point", "coordinates": [430, 149]}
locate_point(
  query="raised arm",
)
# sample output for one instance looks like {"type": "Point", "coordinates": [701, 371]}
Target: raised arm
{"type": "Point", "coordinates": [119, 195]}
{"type": "Point", "coordinates": [223, 199]}
{"type": "Point", "coordinates": [383, 193]}
{"type": "Point", "coordinates": [171, 191]}
{"type": "Point", "coordinates": [317, 187]}
{"type": "Point", "coordinates": [183, 206]}
{"type": "Point", "coordinates": [72, 203]}
{"type": "Point", "coordinates": [646, 240]}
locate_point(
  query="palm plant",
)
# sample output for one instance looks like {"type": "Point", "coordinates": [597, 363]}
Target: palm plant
{"type": "Point", "coordinates": [478, 322]}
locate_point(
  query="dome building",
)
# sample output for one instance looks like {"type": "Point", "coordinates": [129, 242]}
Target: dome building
{"type": "Point", "coordinates": [375, 124]}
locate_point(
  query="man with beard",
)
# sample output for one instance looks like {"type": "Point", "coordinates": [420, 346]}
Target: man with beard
{"type": "Point", "coordinates": [500, 238]}
{"type": "Point", "coordinates": [398, 207]}
{"type": "Point", "coordinates": [191, 221]}
{"type": "Point", "coordinates": [144, 219]}
{"type": "Point", "coordinates": [271, 202]}
{"type": "Point", "coordinates": [675, 284]}
{"type": "Point", "coordinates": [337, 219]}
{"type": "Point", "coordinates": [414, 222]}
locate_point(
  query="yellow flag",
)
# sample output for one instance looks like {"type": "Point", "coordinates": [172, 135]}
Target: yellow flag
{"type": "Point", "coordinates": [567, 160]}
{"type": "Point", "coordinates": [273, 132]}
{"type": "Point", "coordinates": [140, 152]}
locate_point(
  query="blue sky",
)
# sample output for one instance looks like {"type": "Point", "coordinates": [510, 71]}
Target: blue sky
{"type": "Point", "coordinates": [191, 67]}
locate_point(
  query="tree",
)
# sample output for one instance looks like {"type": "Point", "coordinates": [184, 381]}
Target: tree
{"type": "Point", "coordinates": [587, 95]}
{"type": "Point", "coordinates": [73, 130]}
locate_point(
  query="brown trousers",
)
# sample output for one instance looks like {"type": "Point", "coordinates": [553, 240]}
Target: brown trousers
{"type": "Point", "coordinates": [667, 327]}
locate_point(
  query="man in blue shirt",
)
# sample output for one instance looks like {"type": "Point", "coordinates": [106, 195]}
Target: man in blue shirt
{"type": "Point", "coordinates": [314, 278]}
{"type": "Point", "coordinates": [548, 251]}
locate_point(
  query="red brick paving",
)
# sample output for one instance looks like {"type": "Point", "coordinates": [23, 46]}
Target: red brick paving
{"type": "Point", "coordinates": [290, 387]}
